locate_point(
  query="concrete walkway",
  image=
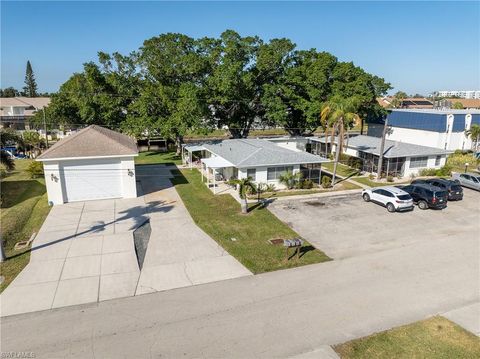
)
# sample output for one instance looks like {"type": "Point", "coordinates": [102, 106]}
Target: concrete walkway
{"type": "Point", "coordinates": [275, 315]}
{"type": "Point", "coordinates": [468, 317]}
{"type": "Point", "coordinates": [179, 253]}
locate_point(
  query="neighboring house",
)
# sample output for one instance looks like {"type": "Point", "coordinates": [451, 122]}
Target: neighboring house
{"type": "Point", "coordinates": [400, 158]}
{"type": "Point", "coordinates": [94, 163]}
{"type": "Point", "coordinates": [443, 129]}
{"type": "Point", "coordinates": [409, 102]}
{"type": "Point", "coordinates": [467, 103]}
{"type": "Point", "coordinates": [16, 112]}
{"type": "Point", "coordinates": [262, 160]}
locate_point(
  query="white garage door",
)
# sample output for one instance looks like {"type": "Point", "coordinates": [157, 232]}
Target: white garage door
{"type": "Point", "coordinates": [98, 179]}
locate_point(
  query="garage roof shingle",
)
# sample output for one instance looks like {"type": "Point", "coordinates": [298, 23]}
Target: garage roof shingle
{"type": "Point", "coordinates": [93, 141]}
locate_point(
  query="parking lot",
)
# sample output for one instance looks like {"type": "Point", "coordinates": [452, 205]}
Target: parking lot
{"type": "Point", "coordinates": [347, 226]}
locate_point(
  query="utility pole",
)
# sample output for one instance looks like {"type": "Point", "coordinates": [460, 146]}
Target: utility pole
{"type": "Point", "coordinates": [382, 148]}
{"type": "Point", "coordinates": [45, 127]}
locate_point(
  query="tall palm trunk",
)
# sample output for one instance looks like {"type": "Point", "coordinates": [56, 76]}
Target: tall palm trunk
{"type": "Point", "coordinates": [338, 150]}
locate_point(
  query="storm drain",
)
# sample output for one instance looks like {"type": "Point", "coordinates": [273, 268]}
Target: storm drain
{"type": "Point", "coordinates": [141, 236]}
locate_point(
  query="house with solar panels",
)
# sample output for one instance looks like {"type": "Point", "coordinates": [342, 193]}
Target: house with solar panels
{"type": "Point", "coordinates": [444, 129]}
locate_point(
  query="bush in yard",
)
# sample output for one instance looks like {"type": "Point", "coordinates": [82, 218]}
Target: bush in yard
{"type": "Point", "coordinates": [305, 184]}
{"type": "Point", "coordinates": [326, 182]}
{"type": "Point", "coordinates": [290, 179]}
{"type": "Point", "coordinates": [270, 188]}
{"type": "Point", "coordinates": [371, 176]}
{"type": "Point", "coordinates": [35, 169]}
{"type": "Point", "coordinates": [444, 171]}
{"type": "Point", "coordinates": [428, 172]}
{"type": "Point", "coordinates": [389, 178]}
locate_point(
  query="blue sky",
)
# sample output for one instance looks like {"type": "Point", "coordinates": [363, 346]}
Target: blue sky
{"type": "Point", "coordinates": [416, 46]}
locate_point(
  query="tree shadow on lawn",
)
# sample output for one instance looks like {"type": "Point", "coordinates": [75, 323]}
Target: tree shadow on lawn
{"type": "Point", "coordinates": [16, 192]}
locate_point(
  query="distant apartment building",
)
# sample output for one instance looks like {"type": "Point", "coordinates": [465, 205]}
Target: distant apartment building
{"type": "Point", "coordinates": [16, 112]}
{"type": "Point", "coordinates": [444, 129]}
{"type": "Point", "coordinates": [460, 93]}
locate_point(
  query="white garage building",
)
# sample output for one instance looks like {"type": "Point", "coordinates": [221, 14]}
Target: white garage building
{"type": "Point", "coordinates": [94, 163]}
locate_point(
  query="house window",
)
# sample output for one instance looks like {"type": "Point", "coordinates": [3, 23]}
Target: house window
{"type": "Point", "coordinates": [274, 173]}
{"type": "Point", "coordinates": [252, 173]}
{"type": "Point", "coordinates": [418, 162]}
{"type": "Point", "coordinates": [437, 160]}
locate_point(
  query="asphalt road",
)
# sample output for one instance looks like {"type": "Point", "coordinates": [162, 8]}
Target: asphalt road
{"type": "Point", "coordinates": [277, 314]}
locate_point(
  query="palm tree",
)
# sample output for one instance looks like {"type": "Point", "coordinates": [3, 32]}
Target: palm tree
{"type": "Point", "coordinates": [290, 179]}
{"type": "Point", "coordinates": [244, 185]}
{"type": "Point", "coordinates": [340, 114]}
{"type": "Point", "coordinates": [474, 134]}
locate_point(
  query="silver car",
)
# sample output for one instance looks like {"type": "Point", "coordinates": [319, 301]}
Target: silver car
{"type": "Point", "coordinates": [470, 180]}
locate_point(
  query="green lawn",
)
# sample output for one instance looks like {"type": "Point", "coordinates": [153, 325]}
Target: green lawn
{"type": "Point", "coordinates": [342, 170]}
{"type": "Point", "coordinates": [435, 338]}
{"type": "Point", "coordinates": [341, 186]}
{"type": "Point", "coordinates": [24, 208]}
{"type": "Point", "coordinates": [153, 157]}
{"type": "Point", "coordinates": [370, 183]}
{"type": "Point", "coordinates": [219, 216]}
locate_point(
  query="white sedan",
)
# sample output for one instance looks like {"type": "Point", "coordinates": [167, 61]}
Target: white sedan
{"type": "Point", "coordinates": [393, 198]}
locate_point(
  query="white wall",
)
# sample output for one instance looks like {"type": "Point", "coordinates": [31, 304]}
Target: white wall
{"type": "Point", "coordinates": [129, 180]}
{"type": "Point", "coordinates": [430, 164]}
{"type": "Point", "coordinates": [261, 175]}
{"type": "Point", "coordinates": [55, 185]}
{"type": "Point", "coordinates": [418, 137]}
{"type": "Point", "coordinates": [53, 182]}
{"type": "Point", "coordinates": [450, 141]}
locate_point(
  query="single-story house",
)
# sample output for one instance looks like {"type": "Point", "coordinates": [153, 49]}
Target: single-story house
{"type": "Point", "coordinates": [94, 163]}
{"type": "Point", "coordinates": [400, 158]}
{"type": "Point", "coordinates": [262, 160]}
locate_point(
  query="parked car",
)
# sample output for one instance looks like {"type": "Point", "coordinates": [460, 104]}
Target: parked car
{"type": "Point", "coordinates": [453, 188]}
{"type": "Point", "coordinates": [393, 198]}
{"type": "Point", "coordinates": [470, 180]}
{"type": "Point", "coordinates": [427, 196]}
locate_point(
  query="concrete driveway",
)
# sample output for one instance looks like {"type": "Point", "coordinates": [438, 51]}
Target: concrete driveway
{"type": "Point", "coordinates": [83, 253]}
{"type": "Point", "coordinates": [179, 253]}
{"type": "Point", "coordinates": [347, 226]}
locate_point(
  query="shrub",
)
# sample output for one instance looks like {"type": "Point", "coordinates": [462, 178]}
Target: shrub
{"type": "Point", "coordinates": [371, 176]}
{"type": "Point", "coordinates": [35, 169]}
{"type": "Point", "coordinates": [389, 178]}
{"type": "Point", "coordinates": [270, 188]}
{"type": "Point", "coordinates": [428, 172]}
{"type": "Point", "coordinates": [307, 184]}
{"type": "Point", "coordinates": [444, 171]}
{"type": "Point", "coordinates": [326, 182]}
{"type": "Point", "coordinates": [290, 179]}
